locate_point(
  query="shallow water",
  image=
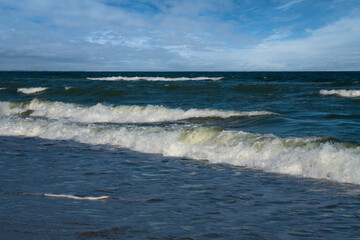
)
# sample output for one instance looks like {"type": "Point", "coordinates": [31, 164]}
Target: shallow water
{"type": "Point", "coordinates": [179, 155]}
{"type": "Point", "coordinates": [159, 197]}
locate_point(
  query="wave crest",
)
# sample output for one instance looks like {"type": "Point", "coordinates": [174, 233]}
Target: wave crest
{"type": "Point", "coordinates": [31, 90]}
{"type": "Point", "coordinates": [342, 93]}
{"type": "Point", "coordinates": [101, 198]}
{"type": "Point", "coordinates": [119, 114]}
{"type": "Point", "coordinates": [314, 157]}
{"type": "Point", "coordinates": [121, 78]}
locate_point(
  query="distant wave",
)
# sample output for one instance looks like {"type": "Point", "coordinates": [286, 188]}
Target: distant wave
{"type": "Point", "coordinates": [342, 93]}
{"type": "Point", "coordinates": [316, 157]}
{"type": "Point", "coordinates": [119, 114]}
{"type": "Point", "coordinates": [121, 78]}
{"type": "Point", "coordinates": [2, 88]}
{"type": "Point", "coordinates": [101, 198]}
{"type": "Point", "coordinates": [31, 90]}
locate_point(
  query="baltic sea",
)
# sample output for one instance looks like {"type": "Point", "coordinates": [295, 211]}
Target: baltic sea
{"type": "Point", "coordinates": [179, 155]}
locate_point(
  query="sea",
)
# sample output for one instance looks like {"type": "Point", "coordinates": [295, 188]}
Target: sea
{"type": "Point", "coordinates": [179, 155]}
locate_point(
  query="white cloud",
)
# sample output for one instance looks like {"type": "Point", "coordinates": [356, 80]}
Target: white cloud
{"type": "Point", "coordinates": [177, 35]}
{"type": "Point", "coordinates": [332, 47]}
{"type": "Point", "coordinates": [289, 4]}
{"type": "Point", "coordinates": [111, 38]}
{"type": "Point", "coordinates": [278, 35]}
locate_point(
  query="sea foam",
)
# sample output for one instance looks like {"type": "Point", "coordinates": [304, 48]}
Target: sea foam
{"type": "Point", "coordinates": [121, 78]}
{"type": "Point", "coordinates": [31, 90]}
{"type": "Point", "coordinates": [314, 157]}
{"type": "Point", "coordinates": [119, 114]}
{"type": "Point", "coordinates": [342, 93]}
{"type": "Point", "coordinates": [101, 198]}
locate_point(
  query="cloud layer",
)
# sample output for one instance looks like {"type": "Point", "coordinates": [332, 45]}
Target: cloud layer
{"type": "Point", "coordinates": [179, 35]}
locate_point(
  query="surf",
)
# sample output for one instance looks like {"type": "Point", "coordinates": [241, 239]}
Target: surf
{"type": "Point", "coordinates": [342, 93]}
{"type": "Point", "coordinates": [115, 114]}
{"type": "Point", "coordinates": [32, 90]}
{"type": "Point", "coordinates": [309, 157]}
{"type": "Point", "coordinates": [140, 78]}
{"type": "Point", "coordinates": [73, 197]}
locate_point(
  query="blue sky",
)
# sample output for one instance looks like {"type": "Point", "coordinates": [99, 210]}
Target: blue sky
{"type": "Point", "coordinates": [184, 35]}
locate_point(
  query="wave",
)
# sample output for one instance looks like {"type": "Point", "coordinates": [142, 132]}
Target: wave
{"type": "Point", "coordinates": [110, 114]}
{"type": "Point", "coordinates": [255, 89]}
{"type": "Point", "coordinates": [91, 91]}
{"type": "Point", "coordinates": [31, 90]}
{"type": "Point", "coordinates": [344, 83]}
{"type": "Point", "coordinates": [121, 78]}
{"type": "Point", "coordinates": [101, 198]}
{"type": "Point", "coordinates": [342, 116]}
{"type": "Point", "coordinates": [315, 157]}
{"type": "Point", "coordinates": [2, 88]}
{"type": "Point", "coordinates": [342, 93]}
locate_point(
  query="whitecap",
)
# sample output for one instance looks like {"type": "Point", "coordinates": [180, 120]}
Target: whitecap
{"type": "Point", "coordinates": [101, 198]}
{"type": "Point", "coordinates": [342, 93]}
{"type": "Point", "coordinates": [314, 157]}
{"type": "Point", "coordinates": [31, 90]}
{"type": "Point", "coordinates": [121, 78]}
{"type": "Point", "coordinates": [118, 114]}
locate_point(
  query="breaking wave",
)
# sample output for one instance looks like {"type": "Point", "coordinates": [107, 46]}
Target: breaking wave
{"type": "Point", "coordinates": [31, 90]}
{"type": "Point", "coordinates": [101, 198]}
{"type": "Point", "coordinates": [121, 78]}
{"type": "Point", "coordinates": [342, 93]}
{"type": "Point", "coordinates": [315, 157]}
{"type": "Point", "coordinates": [119, 114]}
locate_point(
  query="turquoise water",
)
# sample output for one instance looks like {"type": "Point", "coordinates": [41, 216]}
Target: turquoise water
{"type": "Point", "coordinates": [99, 155]}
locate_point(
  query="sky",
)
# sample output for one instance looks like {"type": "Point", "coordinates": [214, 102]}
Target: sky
{"type": "Point", "coordinates": [183, 35]}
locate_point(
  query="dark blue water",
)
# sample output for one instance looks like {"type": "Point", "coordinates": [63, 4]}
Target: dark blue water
{"type": "Point", "coordinates": [246, 156]}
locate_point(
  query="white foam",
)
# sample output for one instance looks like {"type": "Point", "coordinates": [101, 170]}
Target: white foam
{"type": "Point", "coordinates": [67, 88]}
{"type": "Point", "coordinates": [119, 114]}
{"type": "Point", "coordinates": [342, 93]}
{"type": "Point", "coordinates": [2, 88]}
{"type": "Point", "coordinates": [31, 90]}
{"type": "Point", "coordinates": [121, 78]}
{"type": "Point", "coordinates": [101, 198]}
{"type": "Point", "coordinates": [306, 157]}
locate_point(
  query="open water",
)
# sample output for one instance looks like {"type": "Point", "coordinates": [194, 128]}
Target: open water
{"type": "Point", "coordinates": [179, 155]}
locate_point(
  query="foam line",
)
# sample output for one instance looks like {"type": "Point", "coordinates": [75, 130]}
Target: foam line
{"type": "Point", "coordinates": [342, 93]}
{"type": "Point", "coordinates": [31, 90]}
{"type": "Point", "coordinates": [119, 114]}
{"type": "Point", "coordinates": [314, 157]}
{"type": "Point", "coordinates": [121, 78]}
{"type": "Point", "coordinates": [101, 198]}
